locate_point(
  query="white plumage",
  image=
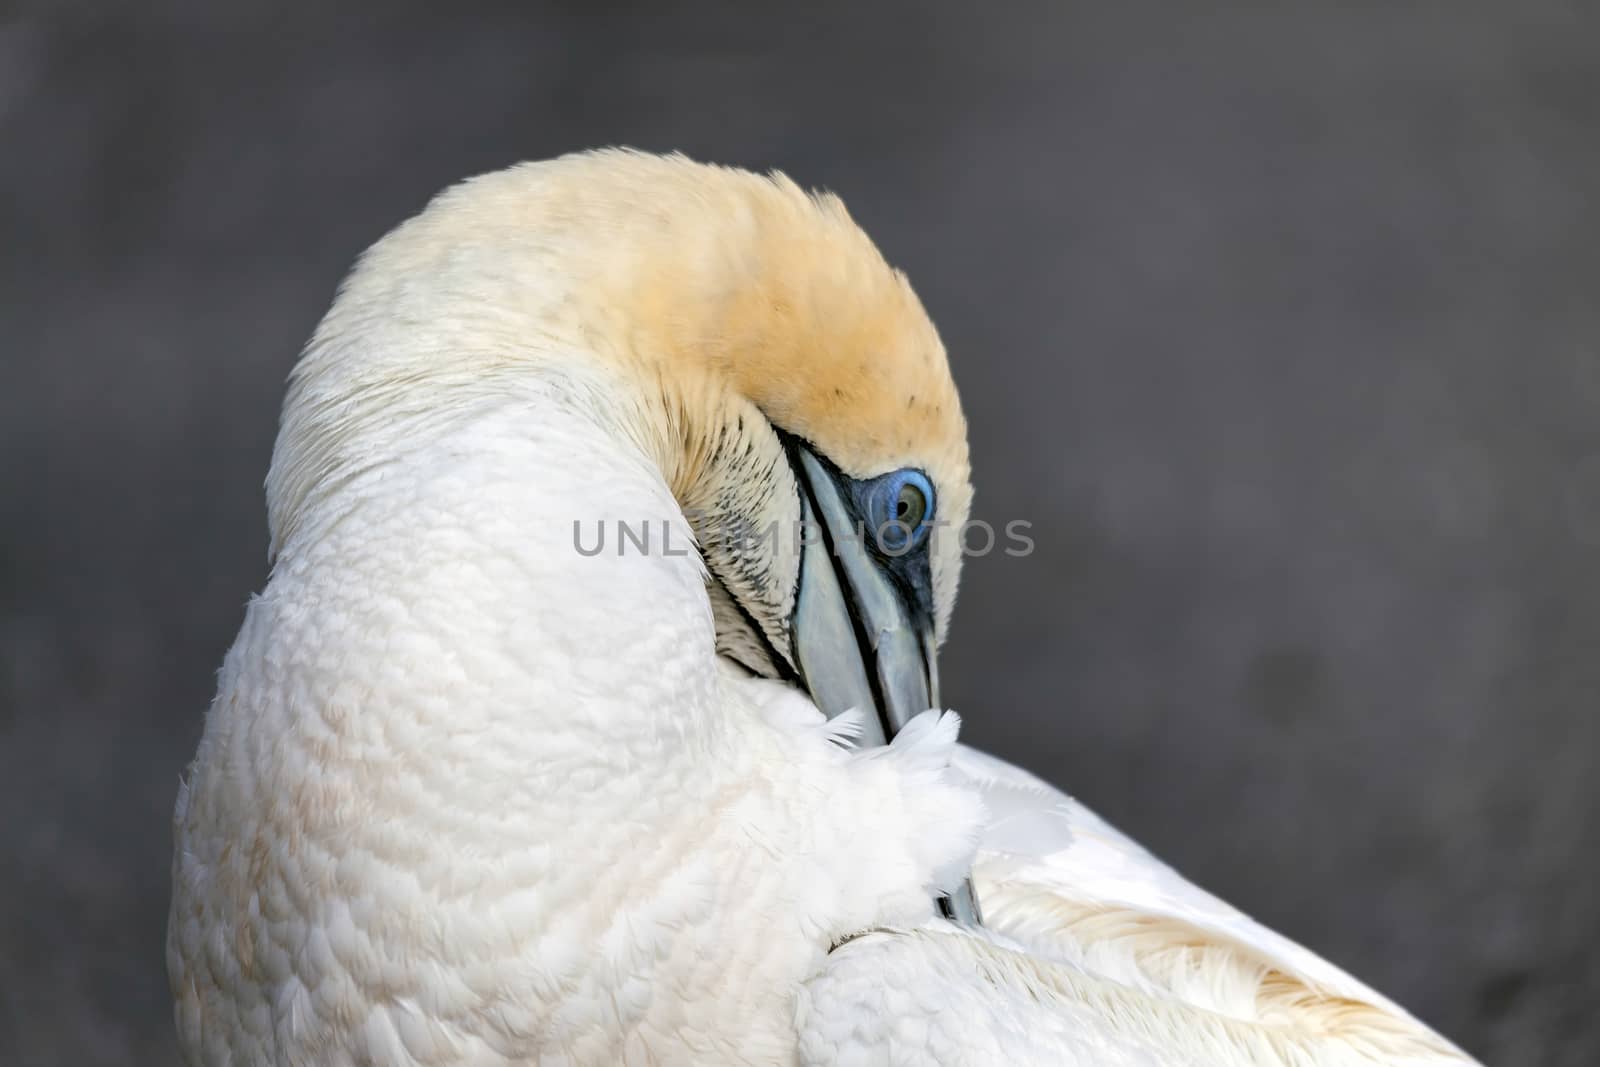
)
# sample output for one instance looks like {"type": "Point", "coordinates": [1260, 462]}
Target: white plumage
{"type": "Point", "coordinates": [469, 796]}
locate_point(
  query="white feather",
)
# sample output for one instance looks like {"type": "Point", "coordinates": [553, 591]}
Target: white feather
{"type": "Point", "coordinates": [1095, 953]}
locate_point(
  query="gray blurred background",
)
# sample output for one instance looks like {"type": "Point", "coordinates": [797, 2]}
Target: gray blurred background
{"type": "Point", "coordinates": [1281, 324]}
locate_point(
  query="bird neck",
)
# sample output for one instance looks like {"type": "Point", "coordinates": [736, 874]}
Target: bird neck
{"type": "Point", "coordinates": [465, 526]}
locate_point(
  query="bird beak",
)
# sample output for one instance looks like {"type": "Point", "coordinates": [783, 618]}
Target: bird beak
{"type": "Point", "coordinates": [858, 642]}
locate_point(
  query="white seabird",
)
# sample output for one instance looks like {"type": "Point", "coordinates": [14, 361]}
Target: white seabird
{"type": "Point", "coordinates": [469, 794]}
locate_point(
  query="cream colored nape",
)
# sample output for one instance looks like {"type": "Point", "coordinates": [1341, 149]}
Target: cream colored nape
{"type": "Point", "coordinates": [710, 300]}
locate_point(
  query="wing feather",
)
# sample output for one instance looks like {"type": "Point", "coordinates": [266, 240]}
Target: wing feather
{"type": "Point", "coordinates": [1095, 952]}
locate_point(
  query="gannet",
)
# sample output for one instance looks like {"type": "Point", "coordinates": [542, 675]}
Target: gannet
{"type": "Point", "coordinates": [474, 792]}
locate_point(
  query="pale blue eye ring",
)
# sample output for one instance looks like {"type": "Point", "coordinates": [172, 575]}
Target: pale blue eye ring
{"type": "Point", "coordinates": [899, 510]}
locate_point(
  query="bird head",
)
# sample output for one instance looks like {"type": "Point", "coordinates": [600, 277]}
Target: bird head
{"type": "Point", "coordinates": [744, 335]}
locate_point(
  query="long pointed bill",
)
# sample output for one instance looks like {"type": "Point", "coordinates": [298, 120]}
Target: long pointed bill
{"type": "Point", "coordinates": [858, 642]}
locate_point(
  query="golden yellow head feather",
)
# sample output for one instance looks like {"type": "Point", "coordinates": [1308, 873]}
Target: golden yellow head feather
{"type": "Point", "coordinates": [701, 287]}
{"type": "Point", "coordinates": [713, 270]}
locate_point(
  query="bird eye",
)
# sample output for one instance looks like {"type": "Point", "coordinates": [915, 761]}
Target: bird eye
{"type": "Point", "coordinates": [900, 509]}
{"type": "Point", "coordinates": [911, 505]}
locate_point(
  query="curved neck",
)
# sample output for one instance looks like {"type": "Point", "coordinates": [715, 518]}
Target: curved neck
{"type": "Point", "coordinates": [470, 538]}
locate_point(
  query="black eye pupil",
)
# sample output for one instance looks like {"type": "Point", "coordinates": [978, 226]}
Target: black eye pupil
{"type": "Point", "coordinates": [908, 508]}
